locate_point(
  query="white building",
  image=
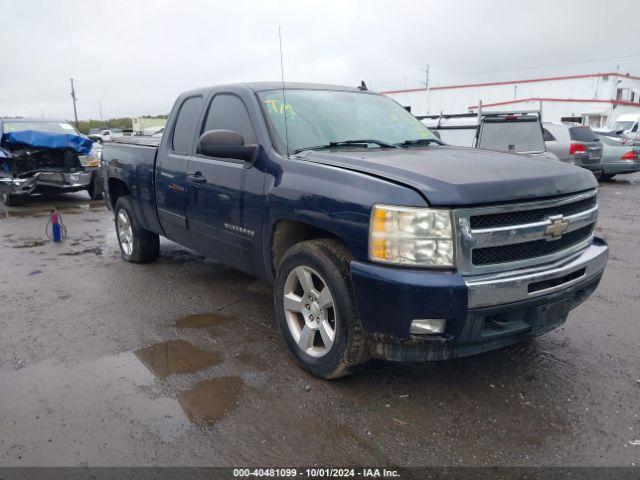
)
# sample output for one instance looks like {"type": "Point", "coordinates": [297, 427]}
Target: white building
{"type": "Point", "coordinates": [595, 99]}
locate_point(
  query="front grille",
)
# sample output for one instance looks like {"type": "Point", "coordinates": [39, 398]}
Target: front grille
{"type": "Point", "coordinates": [526, 250]}
{"type": "Point", "coordinates": [530, 216]}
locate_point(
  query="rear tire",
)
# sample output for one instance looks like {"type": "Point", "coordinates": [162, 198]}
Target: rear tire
{"type": "Point", "coordinates": [327, 341]}
{"type": "Point", "coordinates": [10, 200]}
{"type": "Point", "coordinates": [607, 178]}
{"type": "Point", "coordinates": [137, 245]}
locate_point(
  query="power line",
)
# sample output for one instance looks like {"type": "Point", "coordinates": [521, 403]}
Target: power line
{"type": "Point", "coordinates": [543, 66]}
{"type": "Point", "coordinates": [446, 75]}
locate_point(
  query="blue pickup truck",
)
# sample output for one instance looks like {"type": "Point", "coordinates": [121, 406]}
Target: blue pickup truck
{"type": "Point", "coordinates": [380, 240]}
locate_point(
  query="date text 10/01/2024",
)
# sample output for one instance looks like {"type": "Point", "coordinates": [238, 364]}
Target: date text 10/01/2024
{"type": "Point", "coordinates": [317, 472]}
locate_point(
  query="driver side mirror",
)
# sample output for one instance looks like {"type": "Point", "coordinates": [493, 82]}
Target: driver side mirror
{"type": "Point", "coordinates": [226, 144]}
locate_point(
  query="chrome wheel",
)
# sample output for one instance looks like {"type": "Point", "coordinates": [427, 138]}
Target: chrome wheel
{"type": "Point", "coordinates": [310, 311]}
{"type": "Point", "coordinates": [125, 232]}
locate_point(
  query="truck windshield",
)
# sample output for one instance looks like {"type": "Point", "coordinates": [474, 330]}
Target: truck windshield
{"type": "Point", "coordinates": [512, 136]}
{"type": "Point", "coordinates": [623, 125]}
{"type": "Point", "coordinates": [322, 117]}
{"type": "Point", "coordinates": [40, 126]}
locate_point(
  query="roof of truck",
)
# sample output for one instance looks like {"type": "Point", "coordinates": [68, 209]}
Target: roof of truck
{"type": "Point", "coordinates": [262, 86]}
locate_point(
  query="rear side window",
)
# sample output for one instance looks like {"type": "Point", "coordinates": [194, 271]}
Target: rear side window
{"type": "Point", "coordinates": [547, 136]}
{"type": "Point", "coordinates": [227, 112]}
{"type": "Point", "coordinates": [582, 134]}
{"type": "Point", "coordinates": [186, 124]}
{"type": "Point", "coordinates": [511, 136]}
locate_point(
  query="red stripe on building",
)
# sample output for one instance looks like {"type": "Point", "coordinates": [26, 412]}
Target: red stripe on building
{"type": "Point", "coordinates": [574, 100]}
{"type": "Point", "coordinates": [530, 80]}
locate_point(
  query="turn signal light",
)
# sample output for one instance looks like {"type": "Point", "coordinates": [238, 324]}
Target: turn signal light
{"type": "Point", "coordinates": [577, 148]}
{"type": "Point", "coordinates": [631, 155]}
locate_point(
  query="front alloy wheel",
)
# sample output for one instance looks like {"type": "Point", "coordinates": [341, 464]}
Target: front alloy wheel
{"type": "Point", "coordinates": [310, 311]}
{"type": "Point", "coordinates": [316, 310]}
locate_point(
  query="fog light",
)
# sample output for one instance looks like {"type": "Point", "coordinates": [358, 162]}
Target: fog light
{"type": "Point", "coordinates": [427, 326]}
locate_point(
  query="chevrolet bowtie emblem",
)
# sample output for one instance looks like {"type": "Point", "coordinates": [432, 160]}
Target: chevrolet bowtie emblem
{"type": "Point", "coordinates": [558, 226]}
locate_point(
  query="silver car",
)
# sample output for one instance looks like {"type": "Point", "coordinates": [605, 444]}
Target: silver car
{"type": "Point", "coordinates": [574, 143]}
{"type": "Point", "coordinates": [618, 157]}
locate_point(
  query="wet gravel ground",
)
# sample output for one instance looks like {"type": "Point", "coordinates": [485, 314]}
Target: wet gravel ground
{"type": "Point", "coordinates": [179, 362]}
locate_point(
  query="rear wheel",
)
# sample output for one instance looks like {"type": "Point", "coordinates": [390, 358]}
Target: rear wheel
{"type": "Point", "coordinates": [137, 245]}
{"type": "Point", "coordinates": [608, 177]}
{"type": "Point", "coordinates": [316, 310]}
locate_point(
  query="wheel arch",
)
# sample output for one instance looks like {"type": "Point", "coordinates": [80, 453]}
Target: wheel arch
{"type": "Point", "coordinates": [285, 233]}
{"type": "Point", "coordinates": [117, 188]}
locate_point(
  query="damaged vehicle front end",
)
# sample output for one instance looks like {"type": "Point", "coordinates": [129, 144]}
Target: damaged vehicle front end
{"type": "Point", "coordinates": [40, 157]}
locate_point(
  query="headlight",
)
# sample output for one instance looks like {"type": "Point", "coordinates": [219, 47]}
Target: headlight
{"type": "Point", "coordinates": [89, 161]}
{"type": "Point", "coordinates": [411, 236]}
{"type": "Point", "coordinates": [92, 159]}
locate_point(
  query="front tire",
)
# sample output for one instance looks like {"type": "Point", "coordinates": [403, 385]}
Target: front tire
{"type": "Point", "coordinates": [608, 177]}
{"type": "Point", "coordinates": [95, 188]}
{"type": "Point", "coordinates": [316, 309]}
{"type": "Point", "coordinates": [10, 200]}
{"type": "Point", "coordinates": [137, 245]}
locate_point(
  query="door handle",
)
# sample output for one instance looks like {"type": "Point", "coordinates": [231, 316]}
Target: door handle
{"type": "Point", "coordinates": [197, 178]}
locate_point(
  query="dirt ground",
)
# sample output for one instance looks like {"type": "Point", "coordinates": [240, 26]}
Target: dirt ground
{"type": "Point", "coordinates": [179, 362]}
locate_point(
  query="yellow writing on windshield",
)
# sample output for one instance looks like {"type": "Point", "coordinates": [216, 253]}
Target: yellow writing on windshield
{"type": "Point", "coordinates": [279, 108]}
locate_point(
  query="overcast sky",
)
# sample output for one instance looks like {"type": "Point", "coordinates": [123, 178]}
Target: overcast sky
{"type": "Point", "coordinates": [136, 56]}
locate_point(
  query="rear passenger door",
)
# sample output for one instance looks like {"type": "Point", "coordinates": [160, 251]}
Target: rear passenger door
{"type": "Point", "coordinates": [218, 189]}
{"type": "Point", "coordinates": [171, 170]}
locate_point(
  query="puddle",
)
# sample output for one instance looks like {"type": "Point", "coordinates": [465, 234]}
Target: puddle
{"type": "Point", "coordinates": [95, 250]}
{"type": "Point", "coordinates": [114, 396]}
{"type": "Point", "coordinates": [211, 400]}
{"type": "Point", "coordinates": [31, 244]}
{"type": "Point", "coordinates": [23, 214]}
{"type": "Point", "coordinates": [176, 356]}
{"type": "Point", "coordinates": [202, 320]}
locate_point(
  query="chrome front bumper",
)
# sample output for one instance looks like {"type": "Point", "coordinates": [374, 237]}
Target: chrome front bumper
{"type": "Point", "coordinates": [513, 286]}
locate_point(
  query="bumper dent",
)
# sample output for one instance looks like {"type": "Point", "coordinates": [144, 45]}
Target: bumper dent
{"type": "Point", "coordinates": [48, 180]}
{"type": "Point", "coordinates": [482, 312]}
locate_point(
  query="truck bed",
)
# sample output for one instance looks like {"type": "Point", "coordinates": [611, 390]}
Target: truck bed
{"type": "Point", "coordinates": [138, 140]}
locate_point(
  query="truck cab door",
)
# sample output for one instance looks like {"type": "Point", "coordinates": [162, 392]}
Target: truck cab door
{"type": "Point", "coordinates": [171, 171]}
{"type": "Point", "coordinates": [225, 191]}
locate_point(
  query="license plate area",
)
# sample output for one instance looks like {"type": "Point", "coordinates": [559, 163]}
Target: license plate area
{"type": "Point", "coordinates": [550, 316]}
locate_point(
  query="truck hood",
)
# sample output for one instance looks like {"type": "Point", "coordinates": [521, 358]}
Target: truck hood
{"type": "Point", "coordinates": [454, 176]}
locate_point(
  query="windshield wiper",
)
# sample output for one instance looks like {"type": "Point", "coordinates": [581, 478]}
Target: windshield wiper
{"type": "Point", "coordinates": [419, 141]}
{"type": "Point", "coordinates": [349, 143]}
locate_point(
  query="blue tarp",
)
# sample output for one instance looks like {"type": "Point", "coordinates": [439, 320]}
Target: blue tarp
{"type": "Point", "coordinates": [37, 139]}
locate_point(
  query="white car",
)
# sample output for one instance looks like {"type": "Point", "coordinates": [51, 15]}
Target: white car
{"type": "Point", "coordinates": [106, 135]}
{"type": "Point", "coordinates": [629, 125]}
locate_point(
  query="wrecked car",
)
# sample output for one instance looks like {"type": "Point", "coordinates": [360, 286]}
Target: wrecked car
{"type": "Point", "coordinates": [40, 156]}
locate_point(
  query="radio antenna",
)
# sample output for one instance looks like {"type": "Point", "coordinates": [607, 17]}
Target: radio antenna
{"type": "Point", "coordinates": [284, 99]}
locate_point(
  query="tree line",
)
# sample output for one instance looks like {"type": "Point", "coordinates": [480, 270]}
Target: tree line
{"type": "Point", "coordinates": [124, 122]}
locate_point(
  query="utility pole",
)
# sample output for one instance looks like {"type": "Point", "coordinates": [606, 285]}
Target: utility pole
{"type": "Point", "coordinates": [73, 96]}
{"type": "Point", "coordinates": [100, 106]}
{"type": "Point", "coordinates": [426, 86]}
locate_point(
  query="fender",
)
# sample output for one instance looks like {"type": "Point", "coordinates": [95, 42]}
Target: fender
{"type": "Point", "coordinates": [327, 198]}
